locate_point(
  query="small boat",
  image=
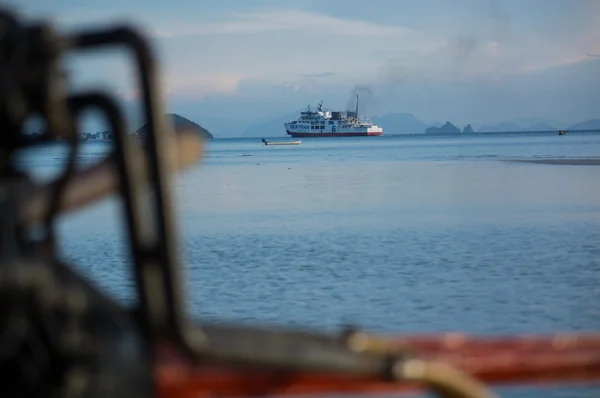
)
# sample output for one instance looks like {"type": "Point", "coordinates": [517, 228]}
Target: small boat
{"type": "Point", "coordinates": [562, 132]}
{"type": "Point", "coordinates": [281, 142]}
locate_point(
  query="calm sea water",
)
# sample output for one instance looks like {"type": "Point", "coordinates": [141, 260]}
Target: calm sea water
{"type": "Point", "coordinates": [398, 234]}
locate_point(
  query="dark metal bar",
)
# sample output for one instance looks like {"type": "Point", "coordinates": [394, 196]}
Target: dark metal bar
{"type": "Point", "coordinates": [125, 175]}
{"type": "Point", "coordinates": [158, 270]}
{"type": "Point", "coordinates": [96, 182]}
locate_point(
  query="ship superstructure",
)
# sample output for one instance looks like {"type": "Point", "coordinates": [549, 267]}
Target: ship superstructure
{"type": "Point", "coordinates": [321, 123]}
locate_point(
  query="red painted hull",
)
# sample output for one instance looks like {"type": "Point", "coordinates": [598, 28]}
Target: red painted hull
{"type": "Point", "coordinates": [310, 135]}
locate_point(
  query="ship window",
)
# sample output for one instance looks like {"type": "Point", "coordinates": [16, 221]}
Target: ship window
{"type": "Point", "coordinates": [330, 122]}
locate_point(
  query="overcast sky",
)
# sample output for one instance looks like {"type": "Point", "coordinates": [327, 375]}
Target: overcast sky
{"type": "Point", "coordinates": [467, 61]}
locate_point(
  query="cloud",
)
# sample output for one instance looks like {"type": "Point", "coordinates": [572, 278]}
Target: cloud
{"type": "Point", "coordinates": [278, 54]}
{"type": "Point", "coordinates": [170, 25]}
{"type": "Point", "coordinates": [200, 86]}
{"type": "Point", "coordinates": [469, 55]}
{"type": "Point", "coordinates": [464, 45]}
{"type": "Point", "coordinates": [273, 20]}
{"type": "Point", "coordinates": [317, 75]}
{"type": "Point", "coordinates": [502, 40]}
{"type": "Point", "coordinates": [190, 86]}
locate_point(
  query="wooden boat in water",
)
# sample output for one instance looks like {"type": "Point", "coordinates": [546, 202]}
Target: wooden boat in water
{"type": "Point", "coordinates": [281, 142]}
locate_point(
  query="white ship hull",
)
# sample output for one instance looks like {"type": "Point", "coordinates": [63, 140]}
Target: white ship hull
{"type": "Point", "coordinates": [331, 124]}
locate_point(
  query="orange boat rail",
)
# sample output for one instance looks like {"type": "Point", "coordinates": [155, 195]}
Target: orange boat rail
{"type": "Point", "coordinates": [532, 359]}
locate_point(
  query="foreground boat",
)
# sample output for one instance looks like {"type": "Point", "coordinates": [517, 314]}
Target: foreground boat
{"type": "Point", "coordinates": [453, 365]}
{"type": "Point", "coordinates": [281, 142]}
{"type": "Point", "coordinates": [322, 123]}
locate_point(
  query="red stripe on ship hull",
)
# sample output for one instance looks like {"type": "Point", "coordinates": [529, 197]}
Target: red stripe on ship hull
{"type": "Point", "coordinates": [310, 135]}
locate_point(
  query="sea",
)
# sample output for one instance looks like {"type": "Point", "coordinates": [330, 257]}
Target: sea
{"type": "Point", "coordinates": [405, 233]}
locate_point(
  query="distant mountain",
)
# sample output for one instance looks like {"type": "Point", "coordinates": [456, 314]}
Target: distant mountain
{"type": "Point", "coordinates": [500, 128]}
{"type": "Point", "coordinates": [407, 123]}
{"type": "Point", "coordinates": [269, 128]}
{"type": "Point", "coordinates": [228, 127]}
{"type": "Point", "coordinates": [591, 124]}
{"type": "Point", "coordinates": [179, 122]}
{"type": "Point", "coordinates": [401, 123]}
{"type": "Point", "coordinates": [540, 127]}
{"type": "Point", "coordinates": [392, 123]}
{"type": "Point", "coordinates": [522, 122]}
{"type": "Point", "coordinates": [224, 128]}
{"type": "Point", "coordinates": [447, 128]}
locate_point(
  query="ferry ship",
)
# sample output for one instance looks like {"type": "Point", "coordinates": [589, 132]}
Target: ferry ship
{"type": "Point", "coordinates": [322, 123]}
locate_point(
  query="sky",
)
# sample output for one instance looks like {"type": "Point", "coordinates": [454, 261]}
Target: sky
{"type": "Point", "coordinates": [467, 61]}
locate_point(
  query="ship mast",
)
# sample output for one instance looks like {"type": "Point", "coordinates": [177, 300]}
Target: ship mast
{"type": "Point", "coordinates": [356, 106]}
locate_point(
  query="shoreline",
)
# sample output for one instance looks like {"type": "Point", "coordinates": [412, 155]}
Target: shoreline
{"type": "Point", "coordinates": [560, 161]}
